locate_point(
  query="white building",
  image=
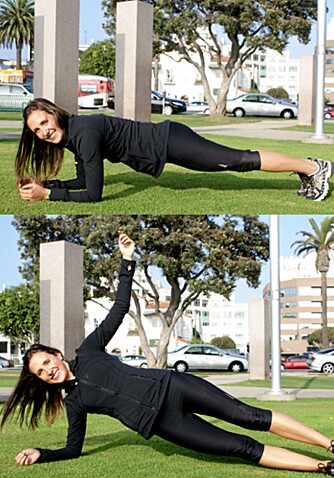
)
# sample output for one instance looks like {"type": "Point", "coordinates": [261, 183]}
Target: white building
{"type": "Point", "coordinates": [267, 69]}
{"type": "Point", "coordinates": [211, 317]}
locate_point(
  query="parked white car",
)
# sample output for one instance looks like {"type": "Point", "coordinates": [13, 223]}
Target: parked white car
{"type": "Point", "coordinates": [322, 361]}
{"type": "Point", "coordinates": [260, 105]}
{"type": "Point", "coordinates": [14, 97]}
{"type": "Point", "coordinates": [205, 357]}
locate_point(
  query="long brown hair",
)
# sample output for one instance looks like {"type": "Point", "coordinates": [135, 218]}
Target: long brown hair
{"type": "Point", "coordinates": [31, 394]}
{"type": "Point", "coordinates": [35, 157]}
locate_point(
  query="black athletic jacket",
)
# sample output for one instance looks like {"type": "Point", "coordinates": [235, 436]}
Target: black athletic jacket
{"type": "Point", "coordinates": [105, 385]}
{"type": "Point", "coordinates": [93, 138]}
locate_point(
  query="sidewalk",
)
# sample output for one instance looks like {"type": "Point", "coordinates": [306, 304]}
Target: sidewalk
{"type": "Point", "coordinates": [225, 381]}
{"type": "Point", "coordinates": [268, 129]}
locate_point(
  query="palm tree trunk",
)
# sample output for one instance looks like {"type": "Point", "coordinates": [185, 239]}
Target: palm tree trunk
{"type": "Point", "coordinates": [325, 343]}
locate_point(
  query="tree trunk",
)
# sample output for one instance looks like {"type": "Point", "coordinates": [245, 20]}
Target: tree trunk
{"type": "Point", "coordinates": [18, 56]}
{"type": "Point", "coordinates": [325, 342]}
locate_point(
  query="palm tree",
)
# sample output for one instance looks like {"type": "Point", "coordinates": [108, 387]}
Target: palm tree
{"type": "Point", "coordinates": [17, 25]}
{"type": "Point", "coordinates": [321, 241]}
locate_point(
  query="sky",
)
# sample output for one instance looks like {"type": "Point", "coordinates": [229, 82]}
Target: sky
{"type": "Point", "coordinates": [289, 226]}
{"type": "Point", "coordinates": [91, 19]}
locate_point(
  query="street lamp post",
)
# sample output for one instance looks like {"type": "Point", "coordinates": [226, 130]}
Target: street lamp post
{"type": "Point", "coordinates": [320, 76]}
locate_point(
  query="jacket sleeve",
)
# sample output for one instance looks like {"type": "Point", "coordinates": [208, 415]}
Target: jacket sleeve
{"type": "Point", "coordinates": [88, 146]}
{"type": "Point", "coordinates": [107, 329]}
{"type": "Point", "coordinates": [75, 439]}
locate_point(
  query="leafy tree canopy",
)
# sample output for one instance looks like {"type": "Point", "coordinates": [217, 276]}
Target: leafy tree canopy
{"type": "Point", "coordinates": [99, 59]}
{"type": "Point", "coordinates": [224, 342]}
{"type": "Point", "coordinates": [195, 254]}
{"type": "Point", "coordinates": [278, 93]}
{"type": "Point", "coordinates": [316, 337]}
{"type": "Point", "coordinates": [19, 313]}
{"type": "Point", "coordinates": [182, 26]}
{"type": "Point", "coordinates": [17, 25]}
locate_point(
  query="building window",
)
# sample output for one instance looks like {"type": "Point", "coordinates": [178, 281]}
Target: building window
{"type": "Point", "coordinates": [205, 303]}
{"type": "Point", "coordinates": [96, 323]}
{"type": "Point", "coordinates": [289, 291]}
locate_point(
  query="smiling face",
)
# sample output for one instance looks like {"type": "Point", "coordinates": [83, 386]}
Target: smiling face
{"type": "Point", "coordinates": [50, 368]}
{"type": "Point", "coordinates": [45, 126]}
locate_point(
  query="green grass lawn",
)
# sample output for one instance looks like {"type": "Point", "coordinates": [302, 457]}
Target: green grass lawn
{"type": "Point", "coordinates": [111, 450]}
{"type": "Point", "coordinates": [179, 191]}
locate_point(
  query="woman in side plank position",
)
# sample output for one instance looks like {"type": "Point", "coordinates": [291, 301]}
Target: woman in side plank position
{"type": "Point", "coordinates": [165, 403]}
{"type": "Point", "coordinates": [146, 147]}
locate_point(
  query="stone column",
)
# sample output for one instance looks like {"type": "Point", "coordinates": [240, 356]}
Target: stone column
{"type": "Point", "coordinates": [259, 333]}
{"type": "Point", "coordinates": [307, 84]}
{"type": "Point", "coordinates": [56, 58]}
{"type": "Point", "coordinates": [61, 296]}
{"type": "Point", "coordinates": [134, 36]}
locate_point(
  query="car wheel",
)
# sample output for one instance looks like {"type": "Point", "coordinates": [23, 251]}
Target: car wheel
{"type": "Point", "coordinates": [207, 111]}
{"type": "Point", "coordinates": [143, 365]}
{"type": "Point", "coordinates": [181, 366]}
{"type": "Point", "coordinates": [282, 367]}
{"type": "Point", "coordinates": [287, 114]}
{"type": "Point", "coordinates": [168, 110]}
{"type": "Point", "coordinates": [235, 367]}
{"type": "Point", "coordinates": [327, 116]}
{"type": "Point", "coordinates": [239, 113]}
{"type": "Point", "coordinates": [327, 368]}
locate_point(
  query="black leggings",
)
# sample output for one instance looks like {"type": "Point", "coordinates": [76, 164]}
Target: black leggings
{"type": "Point", "coordinates": [190, 150]}
{"type": "Point", "coordinates": [188, 395]}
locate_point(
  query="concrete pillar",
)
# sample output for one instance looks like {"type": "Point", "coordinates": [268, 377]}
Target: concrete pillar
{"type": "Point", "coordinates": [134, 36]}
{"type": "Point", "coordinates": [307, 89]}
{"type": "Point", "coordinates": [61, 296]}
{"type": "Point", "coordinates": [56, 58]}
{"type": "Point", "coordinates": [259, 333]}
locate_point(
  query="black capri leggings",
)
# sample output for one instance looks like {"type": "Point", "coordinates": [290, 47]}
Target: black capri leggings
{"type": "Point", "coordinates": [190, 150]}
{"type": "Point", "coordinates": [188, 395]}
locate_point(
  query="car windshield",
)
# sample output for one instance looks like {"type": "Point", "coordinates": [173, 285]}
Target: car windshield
{"type": "Point", "coordinates": [158, 94]}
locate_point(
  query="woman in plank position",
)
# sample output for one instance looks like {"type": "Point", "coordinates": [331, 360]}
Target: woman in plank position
{"type": "Point", "coordinates": [151, 402]}
{"type": "Point", "coordinates": [146, 147]}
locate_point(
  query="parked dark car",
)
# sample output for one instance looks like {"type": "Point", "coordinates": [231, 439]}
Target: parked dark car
{"type": "Point", "coordinates": [167, 106]}
{"type": "Point", "coordinates": [159, 104]}
{"type": "Point", "coordinates": [5, 363]}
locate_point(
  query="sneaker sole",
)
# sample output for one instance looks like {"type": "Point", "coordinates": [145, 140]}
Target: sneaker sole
{"type": "Point", "coordinates": [324, 194]}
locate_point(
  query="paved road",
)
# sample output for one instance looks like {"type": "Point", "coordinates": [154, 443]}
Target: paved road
{"type": "Point", "coordinates": [268, 129]}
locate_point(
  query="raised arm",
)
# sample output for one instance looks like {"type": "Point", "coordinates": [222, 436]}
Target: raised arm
{"type": "Point", "coordinates": [107, 329]}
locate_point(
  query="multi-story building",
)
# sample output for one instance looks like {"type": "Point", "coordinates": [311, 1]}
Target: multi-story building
{"type": "Point", "coordinates": [329, 68]}
{"type": "Point", "coordinates": [300, 302]}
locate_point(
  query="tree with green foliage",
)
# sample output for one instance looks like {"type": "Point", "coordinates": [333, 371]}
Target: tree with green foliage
{"type": "Point", "coordinates": [17, 26]}
{"type": "Point", "coordinates": [190, 28]}
{"type": "Point", "coordinates": [320, 241]}
{"type": "Point", "coordinates": [195, 255]}
{"type": "Point", "coordinates": [224, 342]}
{"type": "Point", "coordinates": [316, 337]}
{"type": "Point", "coordinates": [99, 59]}
{"type": "Point", "coordinates": [19, 313]}
{"type": "Point", "coordinates": [279, 93]}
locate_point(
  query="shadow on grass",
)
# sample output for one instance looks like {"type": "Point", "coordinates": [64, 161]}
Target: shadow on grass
{"type": "Point", "coordinates": [188, 181]}
{"type": "Point", "coordinates": [105, 442]}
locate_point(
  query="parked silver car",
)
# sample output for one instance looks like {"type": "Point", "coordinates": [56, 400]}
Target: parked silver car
{"type": "Point", "coordinates": [135, 360]}
{"type": "Point", "coordinates": [322, 361]}
{"type": "Point", "coordinates": [260, 105]}
{"type": "Point", "coordinates": [205, 357]}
